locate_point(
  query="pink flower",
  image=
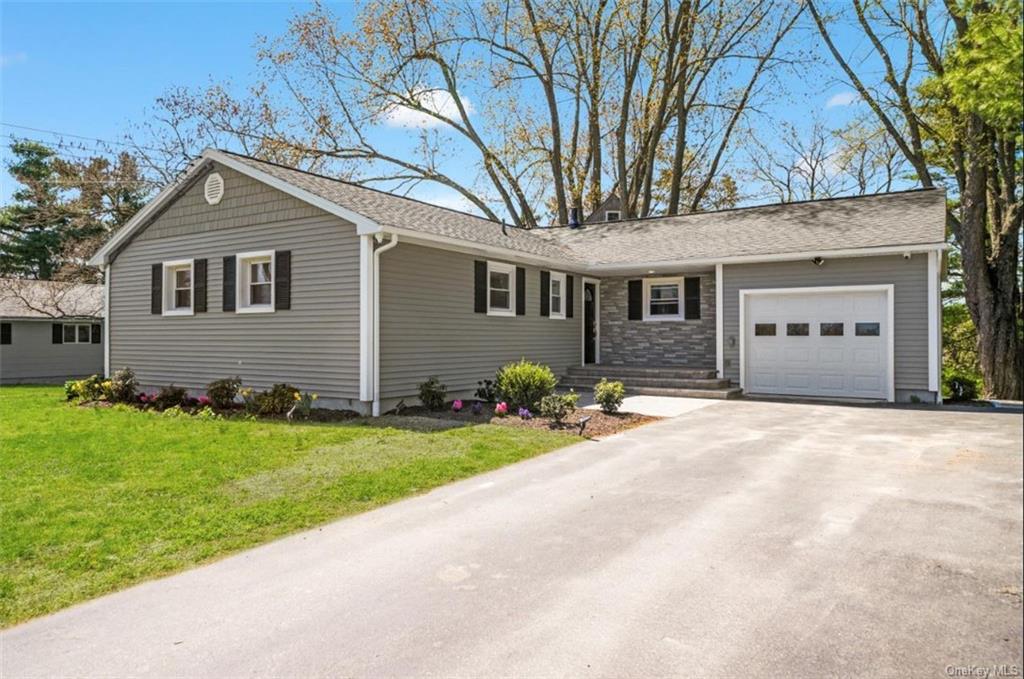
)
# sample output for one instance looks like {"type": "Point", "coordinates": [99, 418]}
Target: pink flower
{"type": "Point", "coordinates": [456, 405]}
{"type": "Point", "coordinates": [204, 400]}
{"type": "Point", "coordinates": [501, 409]}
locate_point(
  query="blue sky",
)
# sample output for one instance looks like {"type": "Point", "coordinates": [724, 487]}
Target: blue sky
{"type": "Point", "coordinates": [90, 69]}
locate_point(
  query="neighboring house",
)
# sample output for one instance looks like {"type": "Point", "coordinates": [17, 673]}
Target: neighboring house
{"type": "Point", "coordinates": [49, 331]}
{"type": "Point", "coordinates": [249, 268]}
{"type": "Point", "coordinates": [608, 211]}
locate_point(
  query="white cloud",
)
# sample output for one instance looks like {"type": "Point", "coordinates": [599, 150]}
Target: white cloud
{"type": "Point", "coordinates": [15, 58]}
{"type": "Point", "coordinates": [842, 99]}
{"type": "Point", "coordinates": [438, 101]}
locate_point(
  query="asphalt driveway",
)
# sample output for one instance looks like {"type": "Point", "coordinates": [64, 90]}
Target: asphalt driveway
{"type": "Point", "coordinates": [741, 539]}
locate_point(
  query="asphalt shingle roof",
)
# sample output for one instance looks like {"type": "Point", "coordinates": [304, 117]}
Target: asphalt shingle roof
{"type": "Point", "coordinates": [892, 219]}
{"type": "Point", "coordinates": [23, 298]}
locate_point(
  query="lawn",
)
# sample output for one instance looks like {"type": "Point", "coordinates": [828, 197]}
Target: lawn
{"type": "Point", "coordinates": [95, 499]}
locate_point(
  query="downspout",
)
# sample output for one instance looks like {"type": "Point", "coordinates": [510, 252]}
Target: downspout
{"type": "Point", "coordinates": [376, 320]}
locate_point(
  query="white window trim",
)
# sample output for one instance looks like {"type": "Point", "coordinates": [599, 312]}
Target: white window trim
{"type": "Point", "coordinates": [76, 327]}
{"type": "Point", "coordinates": [510, 269]}
{"type": "Point", "coordinates": [242, 305]}
{"type": "Point", "coordinates": [674, 280]}
{"type": "Point", "coordinates": [168, 286]}
{"type": "Point", "coordinates": [608, 215]}
{"type": "Point", "coordinates": [560, 277]}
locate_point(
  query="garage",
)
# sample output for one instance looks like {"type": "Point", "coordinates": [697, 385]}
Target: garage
{"type": "Point", "coordinates": [831, 342]}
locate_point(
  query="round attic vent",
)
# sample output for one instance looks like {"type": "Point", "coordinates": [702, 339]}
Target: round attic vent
{"type": "Point", "coordinates": [214, 188]}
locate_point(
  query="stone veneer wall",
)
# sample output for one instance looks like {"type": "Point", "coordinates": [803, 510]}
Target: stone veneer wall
{"type": "Point", "coordinates": [656, 344]}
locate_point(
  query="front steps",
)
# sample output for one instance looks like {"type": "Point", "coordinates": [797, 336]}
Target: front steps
{"type": "Point", "coordinates": [684, 382]}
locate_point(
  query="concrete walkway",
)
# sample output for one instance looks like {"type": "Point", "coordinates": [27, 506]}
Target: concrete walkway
{"type": "Point", "coordinates": [741, 539]}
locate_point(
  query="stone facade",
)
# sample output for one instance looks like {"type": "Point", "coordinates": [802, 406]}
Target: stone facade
{"type": "Point", "coordinates": [689, 344]}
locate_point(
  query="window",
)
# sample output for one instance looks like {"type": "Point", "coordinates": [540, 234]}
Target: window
{"type": "Point", "coordinates": [661, 299]}
{"type": "Point", "coordinates": [612, 215]}
{"type": "Point", "coordinates": [868, 330]}
{"type": "Point", "coordinates": [831, 330]}
{"type": "Point", "coordinates": [557, 295]}
{"type": "Point", "coordinates": [798, 329]}
{"type": "Point", "coordinates": [77, 333]}
{"type": "Point", "coordinates": [5, 333]}
{"type": "Point", "coordinates": [178, 288]}
{"type": "Point", "coordinates": [764, 330]}
{"type": "Point", "coordinates": [255, 290]}
{"type": "Point", "coordinates": [500, 290]}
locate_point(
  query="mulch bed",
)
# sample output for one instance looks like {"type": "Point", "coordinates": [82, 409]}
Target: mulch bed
{"type": "Point", "coordinates": [598, 426]}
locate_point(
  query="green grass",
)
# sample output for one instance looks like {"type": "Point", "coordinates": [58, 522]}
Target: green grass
{"type": "Point", "coordinates": [96, 499]}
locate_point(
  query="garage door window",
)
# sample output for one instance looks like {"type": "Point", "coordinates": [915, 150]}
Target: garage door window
{"type": "Point", "coordinates": [868, 330]}
{"type": "Point", "coordinates": [798, 329]}
{"type": "Point", "coordinates": [764, 329]}
{"type": "Point", "coordinates": [831, 329]}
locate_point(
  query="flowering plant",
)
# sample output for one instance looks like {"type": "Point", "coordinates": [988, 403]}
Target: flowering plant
{"type": "Point", "coordinates": [525, 413]}
{"type": "Point", "coordinates": [501, 410]}
{"type": "Point", "coordinates": [477, 408]}
{"type": "Point", "coordinates": [456, 405]}
{"type": "Point", "coordinates": [203, 401]}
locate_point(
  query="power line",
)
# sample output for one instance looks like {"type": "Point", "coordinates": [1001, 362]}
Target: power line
{"type": "Point", "coordinates": [79, 136]}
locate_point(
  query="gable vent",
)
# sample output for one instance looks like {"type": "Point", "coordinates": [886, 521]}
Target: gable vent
{"type": "Point", "coordinates": [214, 188]}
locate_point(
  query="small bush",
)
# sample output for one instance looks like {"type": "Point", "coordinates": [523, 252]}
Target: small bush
{"type": "Point", "coordinates": [123, 386]}
{"type": "Point", "coordinates": [433, 394]}
{"type": "Point", "coordinates": [71, 390]}
{"type": "Point", "coordinates": [170, 397]}
{"type": "Point", "coordinates": [558, 406]}
{"type": "Point", "coordinates": [207, 413]}
{"type": "Point", "coordinates": [222, 393]}
{"type": "Point", "coordinates": [89, 389]}
{"type": "Point", "coordinates": [960, 388]}
{"type": "Point", "coordinates": [174, 411]}
{"type": "Point", "coordinates": [486, 391]}
{"type": "Point", "coordinates": [304, 404]}
{"type": "Point", "coordinates": [524, 384]}
{"type": "Point", "coordinates": [277, 400]}
{"type": "Point", "coordinates": [609, 395]}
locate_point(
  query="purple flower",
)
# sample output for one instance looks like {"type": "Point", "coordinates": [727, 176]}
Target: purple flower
{"type": "Point", "coordinates": [525, 413]}
{"type": "Point", "coordinates": [456, 405]}
{"type": "Point", "coordinates": [477, 408]}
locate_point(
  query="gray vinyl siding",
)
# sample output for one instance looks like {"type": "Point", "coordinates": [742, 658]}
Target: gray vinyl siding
{"type": "Point", "coordinates": [32, 357]}
{"type": "Point", "coordinates": [428, 326]}
{"type": "Point", "coordinates": [910, 281]}
{"type": "Point", "coordinates": [314, 345]}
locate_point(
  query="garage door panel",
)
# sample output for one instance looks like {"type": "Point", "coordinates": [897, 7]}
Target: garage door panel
{"type": "Point", "coordinates": [838, 363]}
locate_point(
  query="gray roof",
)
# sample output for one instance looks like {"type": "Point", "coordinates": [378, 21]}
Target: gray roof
{"type": "Point", "coordinates": [24, 298]}
{"type": "Point", "coordinates": [905, 218]}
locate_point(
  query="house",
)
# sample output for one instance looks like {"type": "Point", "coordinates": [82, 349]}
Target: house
{"type": "Point", "coordinates": [610, 210]}
{"type": "Point", "coordinates": [49, 331]}
{"type": "Point", "coordinates": [244, 267]}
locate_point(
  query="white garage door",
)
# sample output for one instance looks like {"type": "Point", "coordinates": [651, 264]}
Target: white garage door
{"type": "Point", "coordinates": [817, 343]}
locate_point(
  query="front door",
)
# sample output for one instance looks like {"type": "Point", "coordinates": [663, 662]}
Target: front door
{"type": "Point", "coordinates": [589, 322]}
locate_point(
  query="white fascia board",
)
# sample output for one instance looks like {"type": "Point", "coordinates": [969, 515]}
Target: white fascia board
{"type": "Point", "coordinates": [479, 249]}
{"type": "Point", "coordinates": [666, 266]}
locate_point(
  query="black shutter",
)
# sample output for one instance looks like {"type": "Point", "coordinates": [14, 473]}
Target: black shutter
{"type": "Point", "coordinates": [97, 333]}
{"type": "Point", "coordinates": [691, 298]}
{"type": "Point", "coordinates": [283, 282]}
{"type": "Point", "coordinates": [5, 333]}
{"type": "Point", "coordinates": [58, 333]}
{"type": "Point", "coordinates": [545, 293]}
{"type": "Point", "coordinates": [636, 300]}
{"type": "Point", "coordinates": [199, 285]}
{"type": "Point", "coordinates": [568, 296]}
{"type": "Point", "coordinates": [480, 287]}
{"type": "Point", "coordinates": [520, 291]}
{"type": "Point", "coordinates": [228, 300]}
{"type": "Point", "coordinates": [156, 289]}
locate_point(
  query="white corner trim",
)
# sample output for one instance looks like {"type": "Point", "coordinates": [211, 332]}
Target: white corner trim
{"type": "Point", "coordinates": [889, 290]}
{"type": "Point", "coordinates": [934, 326]}
{"type": "Point", "coordinates": [719, 322]}
{"type": "Point", "coordinates": [366, 317]}
{"type": "Point", "coordinates": [168, 290]}
{"type": "Point", "coordinates": [105, 323]}
{"type": "Point", "coordinates": [242, 282]}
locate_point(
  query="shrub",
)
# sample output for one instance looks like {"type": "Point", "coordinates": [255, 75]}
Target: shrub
{"type": "Point", "coordinates": [609, 395]}
{"type": "Point", "coordinates": [89, 389]}
{"type": "Point", "coordinates": [558, 406]}
{"type": "Point", "coordinates": [174, 411]}
{"type": "Point", "coordinates": [524, 384]}
{"type": "Point", "coordinates": [222, 393]}
{"type": "Point", "coordinates": [961, 387]}
{"type": "Point", "coordinates": [485, 391]}
{"type": "Point", "coordinates": [433, 393]}
{"type": "Point", "coordinates": [277, 400]}
{"type": "Point", "coordinates": [123, 385]}
{"type": "Point", "coordinates": [71, 390]}
{"type": "Point", "coordinates": [304, 404]}
{"type": "Point", "coordinates": [501, 409]}
{"type": "Point", "coordinates": [170, 397]}
{"type": "Point", "coordinates": [207, 413]}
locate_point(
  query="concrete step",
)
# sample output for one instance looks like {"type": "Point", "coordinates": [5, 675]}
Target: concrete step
{"type": "Point", "coordinates": [621, 372]}
{"type": "Point", "coordinates": [667, 382]}
{"type": "Point", "coordinates": [731, 392]}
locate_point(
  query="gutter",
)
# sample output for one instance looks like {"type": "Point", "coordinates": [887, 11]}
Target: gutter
{"type": "Point", "coordinates": [369, 318]}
